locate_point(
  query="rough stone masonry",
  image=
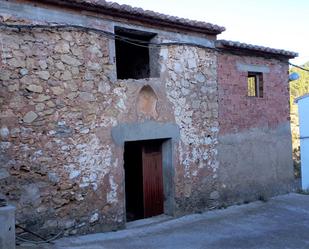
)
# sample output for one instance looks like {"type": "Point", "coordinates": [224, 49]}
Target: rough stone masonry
{"type": "Point", "coordinates": [61, 101]}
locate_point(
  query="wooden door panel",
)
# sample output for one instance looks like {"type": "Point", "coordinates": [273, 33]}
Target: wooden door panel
{"type": "Point", "coordinates": [152, 180]}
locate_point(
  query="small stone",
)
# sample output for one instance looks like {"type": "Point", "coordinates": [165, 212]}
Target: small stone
{"type": "Point", "coordinates": [16, 62]}
{"type": "Point", "coordinates": [60, 201]}
{"type": "Point", "coordinates": [103, 87]}
{"type": "Point", "coordinates": [70, 60]}
{"type": "Point", "coordinates": [30, 117]}
{"type": "Point", "coordinates": [94, 218]}
{"type": "Point", "coordinates": [88, 76]}
{"type": "Point", "coordinates": [72, 95]}
{"type": "Point", "coordinates": [40, 107]}
{"type": "Point", "coordinates": [66, 75]}
{"type": "Point", "coordinates": [94, 66]}
{"type": "Point", "coordinates": [200, 77]}
{"type": "Point", "coordinates": [74, 70]}
{"type": "Point", "coordinates": [43, 75]}
{"type": "Point", "coordinates": [87, 86]}
{"type": "Point", "coordinates": [72, 86]}
{"type": "Point", "coordinates": [50, 103]}
{"type": "Point", "coordinates": [4, 75]}
{"type": "Point", "coordinates": [196, 104]}
{"type": "Point", "coordinates": [30, 63]}
{"type": "Point", "coordinates": [185, 91]}
{"type": "Point", "coordinates": [84, 130]}
{"type": "Point", "coordinates": [62, 47]}
{"type": "Point", "coordinates": [53, 177]}
{"type": "Point", "coordinates": [13, 87]}
{"type": "Point", "coordinates": [23, 71]}
{"type": "Point", "coordinates": [74, 174]}
{"type": "Point", "coordinates": [60, 65]}
{"type": "Point", "coordinates": [191, 63]}
{"type": "Point", "coordinates": [43, 64]}
{"type": "Point", "coordinates": [42, 98]}
{"type": "Point", "coordinates": [95, 51]}
{"type": "Point", "coordinates": [87, 96]}
{"type": "Point", "coordinates": [48, 112]}
{"type": "Point", "coordinates": [57, 90]}
{"type": "Point", "coordinates": [67, 36]}
{"type": "Point", "coordinates": [214, 195]}
{"type": "Point", "coordinates": [66, 224]}
{"type": "Point", "coordinates": [79, 197]}
{"type": "Point", "coordinates": [77, 51]}
{"type": "Point", "coordinates": [5, 145]}
{"type": "Point", "coordinates": [34, 88]}
{"type": "Point", "coordinates": [4, 132]}
{"type": "Point", "coordinates": [4, 174]}
{"type": "Point", "coordinates": [57, 75]}
{"type": "Point", "coordinates": [178, 67]}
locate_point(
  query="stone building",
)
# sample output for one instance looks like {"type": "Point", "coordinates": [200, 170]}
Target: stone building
{"type": "Point", "coordinates": [110, 113]}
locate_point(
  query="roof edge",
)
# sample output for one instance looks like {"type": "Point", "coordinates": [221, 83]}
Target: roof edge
{"type": "Point", "coordinates": [138, 14]}
{"type": "Point", "coordinates": [301, 97]}
{"type": "Point", "coordinates": [255, 48]}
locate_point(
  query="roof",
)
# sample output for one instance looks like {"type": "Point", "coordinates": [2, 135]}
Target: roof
{"type": "Point", "coordinates": [151, 17]}
{"type": "Point", "coordinates": [254, 48]}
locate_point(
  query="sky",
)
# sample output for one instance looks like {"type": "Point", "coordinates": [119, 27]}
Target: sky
{"type": "Point", "coordinates": [282, 24]}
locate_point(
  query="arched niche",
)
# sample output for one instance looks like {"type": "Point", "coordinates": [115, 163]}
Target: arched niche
{"type": "Point", "coordinates": [147, 103]}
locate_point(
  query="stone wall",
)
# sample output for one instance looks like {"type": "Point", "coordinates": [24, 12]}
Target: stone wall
{"type": "Point", "coordinates": [60, 99]}
{"type": "Point", "coordinates": [255, 138]}
{"type": "Point", "coordinates": [192, 89]}
{"type": "Point", "coordinates": [57, 105]}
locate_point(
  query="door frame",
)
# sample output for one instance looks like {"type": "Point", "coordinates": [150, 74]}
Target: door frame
{"type": "Point", "coordinates": [151, 130]}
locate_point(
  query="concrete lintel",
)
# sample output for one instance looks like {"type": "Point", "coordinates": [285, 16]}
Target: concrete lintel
{"type": "Point", "coordinates": [252, 68]}
{"type": "Point", "coordinates": [144, 131]}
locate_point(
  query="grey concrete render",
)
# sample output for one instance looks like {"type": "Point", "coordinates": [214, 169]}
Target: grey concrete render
{"type": "Point", "coordinates": [7, 227]}
{"type": "Point", "coordinates": [252, 68]}
{"type": "Point", "coordinates": [265, 170]}
{"type": "Point", "coordinates": [280, 223]}
{"type": "Point", "coordinates": [144, 131]}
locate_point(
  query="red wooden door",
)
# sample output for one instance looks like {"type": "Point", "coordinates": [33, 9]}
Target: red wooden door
{"type": "Point", "coordinates": [152, 179]}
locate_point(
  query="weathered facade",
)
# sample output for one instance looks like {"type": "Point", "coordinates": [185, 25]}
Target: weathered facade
{"type": "Point", "coordinates": [255, 137]}
{"type": "Point", "coordinates": [71, 106]}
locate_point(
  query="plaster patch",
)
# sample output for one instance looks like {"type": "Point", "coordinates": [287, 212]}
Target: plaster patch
{"type": "Point", "coordinates": [112, 194]}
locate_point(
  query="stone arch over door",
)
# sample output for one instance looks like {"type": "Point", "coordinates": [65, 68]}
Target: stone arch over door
{"type": "Point", "coordinates": [151, 130]}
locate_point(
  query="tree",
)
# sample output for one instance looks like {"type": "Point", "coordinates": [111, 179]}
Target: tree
{"type": "Point", "coordinates": [297, 88]}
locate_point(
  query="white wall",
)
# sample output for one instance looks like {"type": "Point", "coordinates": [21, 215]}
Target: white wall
{"type": "Point", "coordinates": [303, 109]}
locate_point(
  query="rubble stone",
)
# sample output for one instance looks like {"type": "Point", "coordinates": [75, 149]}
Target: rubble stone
{"type": "Point", "coordinates": [30, 117]}
{"type": "Point", "coordinates": [34, 88]}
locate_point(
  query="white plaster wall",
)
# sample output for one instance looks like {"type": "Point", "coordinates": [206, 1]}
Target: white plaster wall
{"type": "Point", "coordinates": [303, 109]}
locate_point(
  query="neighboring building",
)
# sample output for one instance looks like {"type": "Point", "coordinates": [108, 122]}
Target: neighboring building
{"type": "Point", "coordinates": [303, 107]}
{"type": "Point", "coordinates": [111, 113]}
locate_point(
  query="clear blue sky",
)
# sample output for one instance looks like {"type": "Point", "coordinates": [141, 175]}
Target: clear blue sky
{"type": "Point", "coordinates": [280, 24]}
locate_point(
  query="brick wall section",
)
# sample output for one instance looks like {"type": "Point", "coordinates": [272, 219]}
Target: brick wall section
{"type": "Point", "coordinates": [237, 111]}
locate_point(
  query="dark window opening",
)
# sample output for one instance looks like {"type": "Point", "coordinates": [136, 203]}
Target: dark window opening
{"type": "Point", "coordinates": [134, 57]}
{"type": "Point", "coordinates": [255, 84]}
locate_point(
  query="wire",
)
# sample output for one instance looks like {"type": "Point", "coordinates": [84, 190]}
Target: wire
{"type": "Point", "coordinates": [109, 35]}
{"type": "Point", "coordinates": [302, 68]}
{"type": "Point", "coordinates": [39, 242]}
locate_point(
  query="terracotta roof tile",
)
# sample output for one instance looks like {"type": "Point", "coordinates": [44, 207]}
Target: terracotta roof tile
{"type": "Point", "coordinates": [140, 14]}
{"type": "Point", "coordinates": [245, 46]}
